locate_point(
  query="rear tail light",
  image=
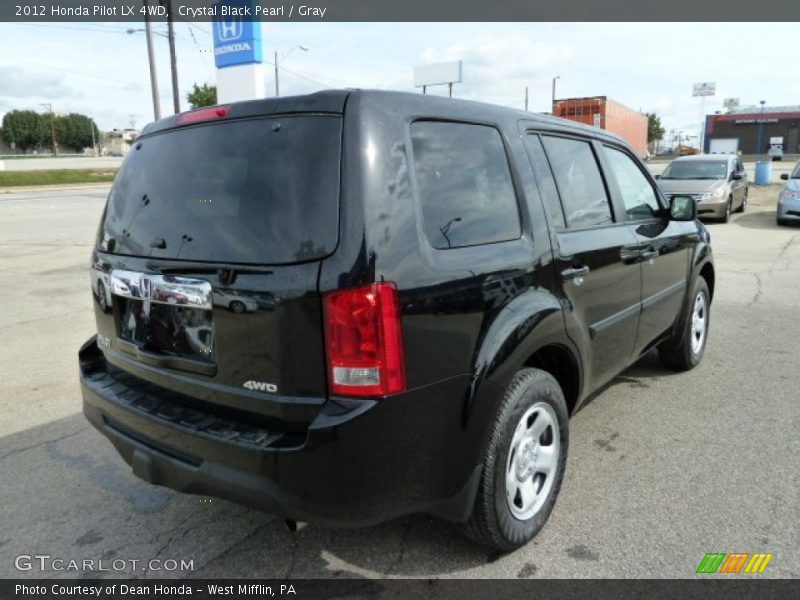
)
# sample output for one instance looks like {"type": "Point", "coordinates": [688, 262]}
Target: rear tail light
{"type": "Point", "coordinates": [203, 114]}
{"type": "Point", "coordinates": [364, 341]}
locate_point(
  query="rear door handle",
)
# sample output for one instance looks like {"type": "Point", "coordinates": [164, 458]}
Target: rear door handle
{"type": "Point", "coordinates": [574, 273]}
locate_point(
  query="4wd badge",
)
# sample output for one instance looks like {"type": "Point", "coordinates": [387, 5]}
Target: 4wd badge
{"type": "Point", "coordinates": [260, 386]}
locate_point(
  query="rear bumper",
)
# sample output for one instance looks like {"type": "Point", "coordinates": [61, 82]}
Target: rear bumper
{"type": "Point", "coordinates": [359, 463]}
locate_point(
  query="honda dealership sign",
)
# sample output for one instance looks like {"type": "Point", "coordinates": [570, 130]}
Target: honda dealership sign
{"type": "Point", "coordinates": [237, 40]}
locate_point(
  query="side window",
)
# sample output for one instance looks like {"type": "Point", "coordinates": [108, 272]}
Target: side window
{"type": "Point", "coordinates": [465, 185]}
{"type": "Point", "coordinates": [545, 176]}
{"type": "Point", "coordinates": [639, 197]}
{"type": "Point", "coordinates": [583, 193]}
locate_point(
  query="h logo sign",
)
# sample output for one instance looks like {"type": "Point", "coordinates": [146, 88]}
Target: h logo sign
{"type": "Point", "coordinates": [229, 30]}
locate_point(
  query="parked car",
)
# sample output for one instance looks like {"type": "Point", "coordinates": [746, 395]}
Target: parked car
{"type": "Point", "coordinates": [450, 286]}
{"type": "Point", "coordinates": [234, 301]}
{"type": "Point", "coordinates": [718, 183]}
{"type": "Point", "coordinates": [101, 287]}
{"type": "Point", "coordinates": [789, 199]}
{"type": "Point", "coordinates": [687, 150]}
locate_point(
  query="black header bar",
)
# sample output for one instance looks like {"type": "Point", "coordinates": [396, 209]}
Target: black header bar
{"type": "Point", "coordinates": [414, 10]}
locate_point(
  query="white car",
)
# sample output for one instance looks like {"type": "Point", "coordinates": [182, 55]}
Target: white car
{"type": "Point", "coordinates": [234, 302]}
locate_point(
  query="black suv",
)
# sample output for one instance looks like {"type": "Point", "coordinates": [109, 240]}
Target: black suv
{"type": "Point", "coordinates": [355, 305]}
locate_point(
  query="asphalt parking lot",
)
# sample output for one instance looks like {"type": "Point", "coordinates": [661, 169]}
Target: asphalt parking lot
{"type": "Point", "coordinates": [662, 467]}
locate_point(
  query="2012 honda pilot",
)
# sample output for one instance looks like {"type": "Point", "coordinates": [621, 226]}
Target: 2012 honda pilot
{"type": "Point", "coordinates": [354, 305]}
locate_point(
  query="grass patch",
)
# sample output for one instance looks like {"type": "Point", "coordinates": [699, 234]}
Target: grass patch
{"type": "Point", "coordinates": [56, 177]}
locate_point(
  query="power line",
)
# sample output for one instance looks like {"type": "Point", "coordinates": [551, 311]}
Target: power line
{"type": "Point", "coordinates": [296, 74]}
{"type": "Point", "coordinates": [202, 54]}
{"type": "Point", "coordinates": [15, 60]}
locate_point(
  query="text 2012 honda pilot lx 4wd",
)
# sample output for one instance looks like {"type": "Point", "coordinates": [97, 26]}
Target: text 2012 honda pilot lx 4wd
{"type": "Point", "coordinates": [427, 289]}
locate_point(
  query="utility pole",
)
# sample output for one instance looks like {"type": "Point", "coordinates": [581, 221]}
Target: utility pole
{"type": "Point", "coordinates": [52, 128]}
{"type": "Point", "coordinates": [173, 61]}
{"type": "Point", "coordinates": [283, 57]}
{"type": "Point", "coordinates": [526, 98]}
{"type": "Point", "coordinates": [94, 139]}
{"type": "Point", "coordinates": [151, 57]}
{"type": "Point", "coordinates": [277, 88]}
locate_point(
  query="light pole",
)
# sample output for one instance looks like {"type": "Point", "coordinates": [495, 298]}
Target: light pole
{"type": "Point", "coordinates": [760, 128]}
{"type": "Point", "coordinates": [283, 57]}
{"type": "Point", "coordinates": [49, 108]}
{"type": "Point", "coordinates": [446, 228]}
{"type": "Point", "coordinates": [553, 99]}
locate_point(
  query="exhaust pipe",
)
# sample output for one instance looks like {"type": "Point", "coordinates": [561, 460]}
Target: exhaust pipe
{"type": "Point", "coordinates": [293, 526]}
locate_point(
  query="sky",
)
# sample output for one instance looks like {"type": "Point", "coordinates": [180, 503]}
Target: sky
{"type": "Point", "coordinates": [100, 70]}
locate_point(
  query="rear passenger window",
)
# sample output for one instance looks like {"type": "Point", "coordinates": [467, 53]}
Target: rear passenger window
{"type": "Point", "coordinates": [638, 195]}
{"type": "Point", "coordinates": [583, 193]}
{"type": "Point", "coordinates": [545, 176]}
{"type": "Point", "coordinates": [465, 185]}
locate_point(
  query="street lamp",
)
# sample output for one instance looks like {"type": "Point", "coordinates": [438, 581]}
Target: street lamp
{"type": "Point", "coordinates": [446, 228]}
{"type": "Point", "coordinates": [283, 56]}
{"type": "Point", "coordinates": [553, 100]}
{"type": "Point", "coordinates": [760, 128]}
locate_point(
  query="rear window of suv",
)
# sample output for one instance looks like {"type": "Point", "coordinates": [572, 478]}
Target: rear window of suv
{"type": "Point", "coordinates": [465, 184]}
{"type": "Point", "coordinates": [258, 191]}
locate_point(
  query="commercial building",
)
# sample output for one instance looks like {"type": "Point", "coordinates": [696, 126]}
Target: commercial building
{"type": "Point", "coordinates": [754, 130]}
{"type": "Point", "coordinates": [605, 113]}
{"type": "Point", "coordinates": [118, 142]}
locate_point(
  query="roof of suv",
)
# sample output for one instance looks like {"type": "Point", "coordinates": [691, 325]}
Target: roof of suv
{"type": "Point", "coordinates": [333, 101]}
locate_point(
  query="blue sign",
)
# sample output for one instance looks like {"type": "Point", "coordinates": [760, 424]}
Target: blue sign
{"type": "Point", "coordinates": [237, 37]}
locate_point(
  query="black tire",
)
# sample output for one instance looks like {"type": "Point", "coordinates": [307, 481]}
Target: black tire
{"type": "Point", "coordinates": [743, 207]}
{"type": "Point", "coordinates": [780, 221]}
{"type": "Point", "coordinates": [728, 211]}
{"type": "Point", "coordinates": [237, 307]}
{"type": "Point", "coordinates": [101, 297]}
{"type": "Point", "coordinates": [679, 353]}
{"type": "Point", "coordinates": [492, 523]}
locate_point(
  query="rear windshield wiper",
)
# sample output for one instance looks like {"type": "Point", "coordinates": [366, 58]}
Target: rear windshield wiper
{"type": "Point", "coordinates": [227, 272]}
{"type": "Point", "coordinates": [206, 267]}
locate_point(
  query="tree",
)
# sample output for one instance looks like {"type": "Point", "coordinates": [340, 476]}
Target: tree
{"type": "Point", "coordinates": [75, 131]}
{"type": "Point", "coordinates": [26, 129]}
{"type": "Point", "coordinates": [655, 131]}
{"type": "Point", "coordinates": [202, 96]}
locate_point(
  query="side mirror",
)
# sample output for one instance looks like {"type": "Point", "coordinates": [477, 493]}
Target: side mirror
{"type": "Point", "coordinates": [736, 176]}
{"type": "Point", "coordinates": [785, 176]}
{"type": "Point", "coordinates": [658, 176]}
{"type": "Point", "coordinates": [682, 208]}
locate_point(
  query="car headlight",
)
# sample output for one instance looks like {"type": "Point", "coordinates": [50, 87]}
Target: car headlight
{"type": "Point", "coordinates": [716, 194]}
{"type": "Point", "coordinates": [790, 195]}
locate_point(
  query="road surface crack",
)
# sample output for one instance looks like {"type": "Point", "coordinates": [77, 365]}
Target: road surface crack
{"type": "Point", "coordinates": [757, 295]}
{"type": "Point", "coordinates": [43, 443]}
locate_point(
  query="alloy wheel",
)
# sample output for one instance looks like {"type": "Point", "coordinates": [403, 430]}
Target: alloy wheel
{"type": "Point", "coordinates": [532, 461]}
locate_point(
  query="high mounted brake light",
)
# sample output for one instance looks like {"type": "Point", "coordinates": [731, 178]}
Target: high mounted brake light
{"type": "Point", "coordinates": [364, 341]}
{"type": "Point", "coordinates": [204, 114]}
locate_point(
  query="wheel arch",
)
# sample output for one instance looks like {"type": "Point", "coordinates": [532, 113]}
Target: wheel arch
{"type": "Point", "coordinates": [531, 333]}
{"type": "Point", "coordinates": [563, 365]}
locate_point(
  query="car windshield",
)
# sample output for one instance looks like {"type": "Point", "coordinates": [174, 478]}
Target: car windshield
{"type": "Point", "coordinates": [796, 174]}
{"type": "Point", "coordinates": [696, 169]}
